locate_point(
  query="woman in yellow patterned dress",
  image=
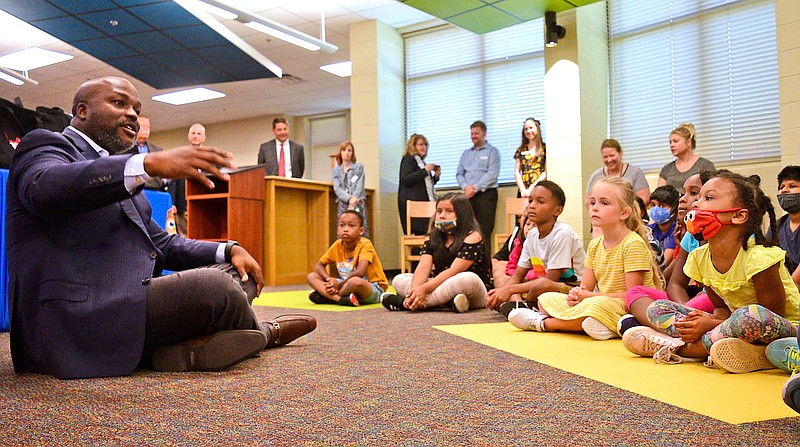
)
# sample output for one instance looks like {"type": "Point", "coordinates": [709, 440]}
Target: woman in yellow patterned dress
{"type": "Point", "coordinates": [529, 167]}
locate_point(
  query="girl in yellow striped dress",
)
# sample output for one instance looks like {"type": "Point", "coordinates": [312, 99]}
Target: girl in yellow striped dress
{"type": "Point", "coordinates": [615, 261]}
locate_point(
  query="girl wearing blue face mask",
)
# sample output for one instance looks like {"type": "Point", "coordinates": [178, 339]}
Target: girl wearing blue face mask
{"type": "Point", "coordinates": [454, 267]}
{"type": "Point", "coordinates": [663, 208]}
{"type": "Point", "coordinates": [755, 301]}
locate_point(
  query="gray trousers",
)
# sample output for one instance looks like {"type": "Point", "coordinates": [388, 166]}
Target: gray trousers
{"type": "Point", "coordinates": [197, 302]}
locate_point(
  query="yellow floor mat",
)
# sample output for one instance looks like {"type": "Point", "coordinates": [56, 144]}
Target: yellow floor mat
{"type": "Point", "coordinates": [298, 299]}
{"type": "Point", "coordinates": [732, 398]}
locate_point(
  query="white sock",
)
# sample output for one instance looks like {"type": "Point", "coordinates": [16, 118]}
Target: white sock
{"type": "Point", "coordinates": [527, 319]}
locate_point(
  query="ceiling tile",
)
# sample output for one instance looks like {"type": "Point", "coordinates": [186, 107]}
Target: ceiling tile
{"type": "Point", "coordinates": [444, 8]}
{"type": "Point", "coordinates": [68, 29]}
{"type": "Point", "coordinates": [484, 20]}
{"type": "Point", "coordinates": [32, 9]}
{"type": "Point", "coordinates": [165, 15]}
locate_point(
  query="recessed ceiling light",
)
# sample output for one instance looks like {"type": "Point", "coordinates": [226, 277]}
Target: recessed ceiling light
{"type": "Point", "coordinates": [341, 69]}
{"type": "Point", "coordinates": [191, 95]}
{"type": "Point", "coordinates": [31, 58]}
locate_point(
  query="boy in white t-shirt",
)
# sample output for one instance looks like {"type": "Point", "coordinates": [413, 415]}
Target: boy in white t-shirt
{"type": "Point", "coordinates": [552, 249]}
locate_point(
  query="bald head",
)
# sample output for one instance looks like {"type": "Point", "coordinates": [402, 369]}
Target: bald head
{"type": "Point", "coordinates": [197, 134]}
{"type": "Point", "coordinates": [106, 110]}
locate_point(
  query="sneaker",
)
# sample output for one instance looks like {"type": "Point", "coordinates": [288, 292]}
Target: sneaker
{"type": "Point", "coordinates": [646, 341]}
{"type": "Point", "coordinates": [508, 306]}
{"type": "Point", "coordinates": [317, 298]}
{"type": "Point", "coordinates": [738, 356]}
{"type": "Point", "coordinates": [626, 322]}
{"type": "Point", "coordinates": [668, 356]}
{"type": "Point", "coordinates": [597, 330]}
{"type": "Point", "coordinates": [527, 319]}
{"type": "Point", "coordinates": [392, 301]}
{"type": "Point", "coordinates": [784, 354]}
{"type": "Point", "coordinates": [791, 391]}
{"type": "Point", "coordinates": [460, 303]}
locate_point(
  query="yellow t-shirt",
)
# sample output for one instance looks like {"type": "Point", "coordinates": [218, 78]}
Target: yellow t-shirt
{"type": "Point", "coordinates": [347, 262]}
{"type": "Point", "coordinates": [735, 286]}
{"type": "Point", "coordinates": [632, 254]}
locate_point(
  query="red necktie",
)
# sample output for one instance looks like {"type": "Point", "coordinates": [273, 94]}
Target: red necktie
{"type": "Point", "coordinates": [282, 163]}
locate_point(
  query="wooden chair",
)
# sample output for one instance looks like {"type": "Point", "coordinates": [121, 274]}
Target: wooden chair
{"type": "Point", "coordinates": [514, 207]}
{"type": "Point", "coordinates": [420, 210]}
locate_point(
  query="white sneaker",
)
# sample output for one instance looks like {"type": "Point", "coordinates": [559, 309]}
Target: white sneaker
{"type": "Point", "coordinates": [738, 356]}
{"type": "Point", "coordinates": [597, 330]}
{"type": "Point", "coordinates": [527, 319]}
{"type": "Point", "coordinates": [460, 303]}
{"type": "Point", "coordinates": [646, 341]}
{"type": "Point", "coordinates": [668, 356]}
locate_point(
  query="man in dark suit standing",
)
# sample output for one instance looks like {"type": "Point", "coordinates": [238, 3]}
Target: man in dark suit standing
{"type": "Point", "coordinates": [143, 146]}
{"type": "Point", "coordinates": [282, 156]}
{"type": "Point", "coordinates": [84, 255]}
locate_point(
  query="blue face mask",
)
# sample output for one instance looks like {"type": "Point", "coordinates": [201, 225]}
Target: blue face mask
{"type": "Point", "coordinates": [660, 215]}
{"type": "Point", "coordinates": [445, 226]}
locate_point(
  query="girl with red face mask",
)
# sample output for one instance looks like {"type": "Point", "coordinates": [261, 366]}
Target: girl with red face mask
{"type": "Point", "coordinates": [755, 301]}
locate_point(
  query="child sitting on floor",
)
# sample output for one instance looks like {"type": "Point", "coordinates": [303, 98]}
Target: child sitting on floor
{"type": "Point", "coordinates": [616, 261]}
{"type": "Point", "coordinates": [679, 287]}
{"type": "Point", "coordinates": [454, 264]}
{"type": "Point", "coordinates": [755, 300]}
{"type": "Point", "coordinates": [527, 225]}
{"type": "Point", "coordinates": [552, 250]}
{"type": "Point", "coordinates": [361, 278]}
{"type": "Point", "coordinates": [662, 205]}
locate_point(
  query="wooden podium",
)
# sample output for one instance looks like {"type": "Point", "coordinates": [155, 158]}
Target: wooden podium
{"type": "Point", "coordinates": [296, 219]}
{"type": "Point", "coordinates": [285, 223]}
{"type": "Point", "coordinates": [231, 211]}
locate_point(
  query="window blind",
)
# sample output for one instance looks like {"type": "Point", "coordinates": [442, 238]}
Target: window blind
{"type": "Point", "coordinates": [455, 77]}
{"type": "Point", "coordinates": [710, 63]}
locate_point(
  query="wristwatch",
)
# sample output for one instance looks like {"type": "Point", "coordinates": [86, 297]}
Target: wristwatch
{"type": "Point", "coordinates": [228, 249]}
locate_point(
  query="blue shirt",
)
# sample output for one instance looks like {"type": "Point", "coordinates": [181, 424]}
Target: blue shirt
{"type": "Point", "coordinates": [479, 167]}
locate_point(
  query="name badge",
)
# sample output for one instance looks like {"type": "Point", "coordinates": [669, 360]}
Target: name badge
{"type": "Point", "coordinates": [354, 178]}
{"type": "Point", "coordinates": [484, 157]}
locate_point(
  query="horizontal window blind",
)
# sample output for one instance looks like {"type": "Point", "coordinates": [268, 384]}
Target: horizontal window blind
{"type": "Point", "coordinates": [455, 77]}
{"type": "Point", "coordinates": [710, 63]}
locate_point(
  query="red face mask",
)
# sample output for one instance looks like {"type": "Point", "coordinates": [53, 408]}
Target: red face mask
{"type": "Point", "coordinates": [704, 224]}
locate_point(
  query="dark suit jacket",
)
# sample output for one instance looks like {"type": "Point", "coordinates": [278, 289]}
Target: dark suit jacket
{"type": "Point", "coordinates": [267, 156]}
{"type": "Point", "coordinates": [155, 183]}
{"type": "Point", "coordinates": [412, 187]}
{"type": "Point", "coordinates": [81, 253]}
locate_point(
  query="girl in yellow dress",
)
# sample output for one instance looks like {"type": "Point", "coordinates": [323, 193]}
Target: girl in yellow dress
{"type": "Point", "coordinates": [615, 262]}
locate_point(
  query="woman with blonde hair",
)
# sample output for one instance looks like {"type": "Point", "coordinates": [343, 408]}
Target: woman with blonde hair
{"type": "Point", "coordinates": [417, 180]}
{"type": "Point", "coordinates": [682, 143]}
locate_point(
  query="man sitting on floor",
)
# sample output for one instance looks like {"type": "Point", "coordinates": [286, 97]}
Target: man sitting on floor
{"type": "Point", "coordinates": [85, 255]}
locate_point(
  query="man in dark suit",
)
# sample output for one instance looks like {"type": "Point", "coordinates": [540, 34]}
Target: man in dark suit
{"type": "Point", "coordinates": [282, 156]}
{"type": "Point", "coordinates": [143, 146]}
{"type": "Point", "coordinates": [84, 255]}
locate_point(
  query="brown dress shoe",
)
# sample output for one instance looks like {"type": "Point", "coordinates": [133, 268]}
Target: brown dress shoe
{"type": "Point", "coordinates": [214, 352]}
{"type": "Point", "coordinates": [287, 328]}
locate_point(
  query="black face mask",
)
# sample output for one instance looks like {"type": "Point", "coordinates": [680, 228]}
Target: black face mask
{"type": "Point", "coordinates": [790, 202]}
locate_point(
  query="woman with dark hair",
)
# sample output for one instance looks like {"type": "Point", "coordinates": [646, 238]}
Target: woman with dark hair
{"type": "Point", "coordinates": [529, 160]}
{"type": "Point", "coordinates": [454, 265]}
{"type": "Point", "coordinates": [348, 183]}
{"type": "Point", "coordinates": [416, 181]}
{"type": "Point", "coordinates": [613, 166]}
